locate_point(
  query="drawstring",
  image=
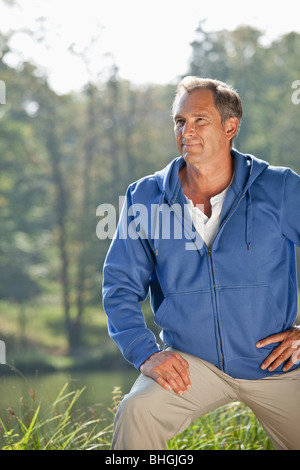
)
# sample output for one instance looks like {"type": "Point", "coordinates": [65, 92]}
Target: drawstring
{"type": "Point", "coordinates": [249, 220]}
{"type": "Point", "coordinates": [157, 224]}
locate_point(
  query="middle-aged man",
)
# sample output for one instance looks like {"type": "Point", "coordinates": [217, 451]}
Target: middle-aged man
{"type": "Point", "coordinates": [212, 236]}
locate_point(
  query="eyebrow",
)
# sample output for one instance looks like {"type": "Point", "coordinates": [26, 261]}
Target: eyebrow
{"type": "Point", "coordinates": [201, 114]}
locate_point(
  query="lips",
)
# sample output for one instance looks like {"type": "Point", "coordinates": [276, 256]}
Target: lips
{"type": "Point", "coordinates": [190, 145]}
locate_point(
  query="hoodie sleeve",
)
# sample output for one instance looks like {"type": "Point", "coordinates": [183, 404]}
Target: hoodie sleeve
{"type": "Point", "coordinates": [126, 277]}
{"type": "Point", "coordinates": [290, 209]}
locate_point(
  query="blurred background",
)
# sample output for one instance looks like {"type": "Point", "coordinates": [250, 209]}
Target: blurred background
{"type": "Point", "coordinates": [87, 89]}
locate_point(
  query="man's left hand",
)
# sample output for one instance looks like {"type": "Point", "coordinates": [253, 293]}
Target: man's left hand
{"type": "Point", "coordinates": [288, 350]}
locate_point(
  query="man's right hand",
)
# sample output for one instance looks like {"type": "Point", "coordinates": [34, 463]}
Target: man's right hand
{"type": "Point", "coordinates": [169, 369]}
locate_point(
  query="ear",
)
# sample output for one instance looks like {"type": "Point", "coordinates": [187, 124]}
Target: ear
{"type": "Point", "coordinates": [231, 127]}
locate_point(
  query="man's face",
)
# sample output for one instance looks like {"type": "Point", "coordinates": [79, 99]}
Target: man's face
{"type": "Point", "coordinates": [200, 134]}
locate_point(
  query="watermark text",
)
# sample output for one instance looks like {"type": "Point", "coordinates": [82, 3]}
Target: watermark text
{"type": "Point", "coordinates": [2, 92]}
{"type": "Point", "coordinates": [157, 222]}
{"type": "Point", "coordinates": [2, 353]}
{"type": "Point", "coordinates": [296, 95]}
{"type": "Point", "coordinates": [296, 354]}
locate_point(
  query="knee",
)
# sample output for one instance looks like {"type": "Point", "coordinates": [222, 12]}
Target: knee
{"type": "Point", "coordinates": [132, 407]}
{"type": "Point", "coordinates": [135, 421]}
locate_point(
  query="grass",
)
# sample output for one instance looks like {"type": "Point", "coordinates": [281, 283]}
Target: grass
{"type": "Point", "coordinates": [231, 427]}
{"type": "Point", "coordinates": [63, 426]}
{"type": "Point", "coordinates": [60, 427]}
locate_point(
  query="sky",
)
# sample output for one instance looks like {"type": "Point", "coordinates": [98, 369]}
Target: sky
{"type": "Point", "coordinates": [148, 41]}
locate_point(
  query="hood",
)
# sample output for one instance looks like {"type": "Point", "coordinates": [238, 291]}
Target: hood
{"type": "Point", "coordinates": [247, 169]}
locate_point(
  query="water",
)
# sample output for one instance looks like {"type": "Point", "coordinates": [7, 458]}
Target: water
{"type": "Point", "coordinates": [17, 392]}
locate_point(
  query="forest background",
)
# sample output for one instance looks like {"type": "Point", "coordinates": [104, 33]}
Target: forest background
{"type": "Point", "coordinates": [61, 156]}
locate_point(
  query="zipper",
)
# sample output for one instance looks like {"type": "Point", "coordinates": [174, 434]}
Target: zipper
{"type": "Point", "coordinates": [213, 275]}
{"type": "Point", "coordinates": [214, 286]}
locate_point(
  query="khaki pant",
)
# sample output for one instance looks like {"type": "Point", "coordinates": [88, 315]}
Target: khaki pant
{"type": "Point", "coordinates": [149, 415]}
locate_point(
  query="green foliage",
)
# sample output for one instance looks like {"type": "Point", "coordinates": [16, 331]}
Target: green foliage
{"type": "Point", "coordinates": [60, 427]}
{"type": "Point", "coordinates": [231, 427]}
{"type": "Point", "coordinates": [22, 198]}
{"type": "Point", "coordinates": [63, 156]}
{"type": "Point", "coordinates": [263, 75]}
{"type": "Point", "coordinates": [65, 426]}
{"type": "Point", "coordinates": [36, 340]}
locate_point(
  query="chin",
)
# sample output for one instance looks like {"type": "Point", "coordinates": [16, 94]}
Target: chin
{"type": "Point", "coordinates": [191, 158]}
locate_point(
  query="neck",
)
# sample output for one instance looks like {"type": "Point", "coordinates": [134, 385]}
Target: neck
{"type": "Point", "coordinates": [200, 183]}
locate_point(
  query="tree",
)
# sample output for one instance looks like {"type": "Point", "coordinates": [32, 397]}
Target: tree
{"type": "Point", "coordinates": [24, 227]}
{"type": "Point", "coordinates": [263, 75]}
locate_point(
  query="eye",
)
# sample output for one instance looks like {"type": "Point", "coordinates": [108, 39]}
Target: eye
{"type": "Point", "coordinates": [179, 122]}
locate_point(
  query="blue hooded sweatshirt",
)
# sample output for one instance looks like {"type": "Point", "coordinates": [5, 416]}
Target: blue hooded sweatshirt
{"type": "Point", "coordinates": [214, 303]}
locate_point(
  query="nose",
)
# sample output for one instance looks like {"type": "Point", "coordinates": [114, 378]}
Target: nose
{"type": "Point", "coordinates": [188, 129]}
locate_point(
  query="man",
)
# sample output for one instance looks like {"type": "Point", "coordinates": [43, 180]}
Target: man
{"type": "Point", "coordinates": [224, 290]}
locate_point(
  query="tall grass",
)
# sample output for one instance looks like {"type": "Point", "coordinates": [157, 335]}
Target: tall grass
{"type": "Point", "coordinates": [63, 426]}
{"type": "Point", "coordinates": [232, 427]}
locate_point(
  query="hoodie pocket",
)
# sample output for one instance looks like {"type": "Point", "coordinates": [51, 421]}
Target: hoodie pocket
{"type": "Point", "coordinates": [188, 323]}
{"type": "Point", "coordinates": [247, 315]}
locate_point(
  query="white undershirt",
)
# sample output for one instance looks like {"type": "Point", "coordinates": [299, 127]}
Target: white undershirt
{"type": "Point", "coordinates": [207, 227]}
